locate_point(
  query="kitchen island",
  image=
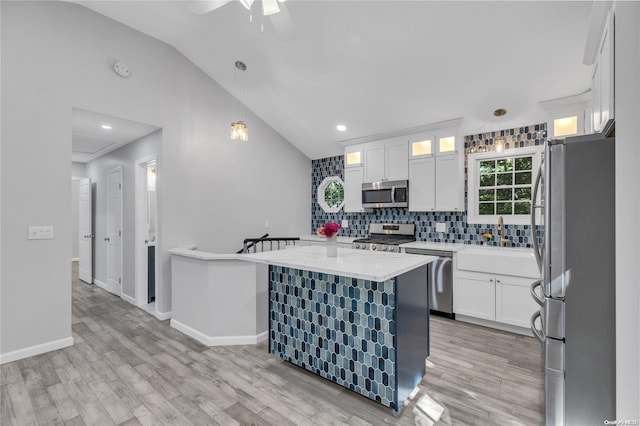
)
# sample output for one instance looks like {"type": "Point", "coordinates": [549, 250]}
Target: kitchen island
{"type": "Point", "coordinates": [360, 319]}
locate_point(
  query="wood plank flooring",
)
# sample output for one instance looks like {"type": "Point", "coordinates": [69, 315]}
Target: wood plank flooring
{"type": "Point", "coordinates": [128, 368]}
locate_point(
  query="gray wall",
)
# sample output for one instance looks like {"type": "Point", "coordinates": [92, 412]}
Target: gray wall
{"type": "Point", "coordinates": [98, 170]}
{"type": "Point", "coordinates": [627, 99]}
{"type": "Point", "coordinates": [214, 192]}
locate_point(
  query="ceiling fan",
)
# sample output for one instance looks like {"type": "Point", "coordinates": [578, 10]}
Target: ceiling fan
{"type": "Point", "coordinates": [275, 10]}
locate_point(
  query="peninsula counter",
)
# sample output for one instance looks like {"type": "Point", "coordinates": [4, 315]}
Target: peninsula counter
{"type": "Point", "coordinates": [360, 319]}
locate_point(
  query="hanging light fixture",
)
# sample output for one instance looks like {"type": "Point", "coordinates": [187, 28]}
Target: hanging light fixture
{"type": "Point", "coordinates": [239, 130]}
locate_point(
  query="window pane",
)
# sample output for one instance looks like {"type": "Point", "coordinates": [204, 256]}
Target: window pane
{"type": "Point", "coordinates": [486, 195]}
{"type": "Point", "coordinates": [504, 194]}
{"type": "Point", "coordinates": [522, 208]}
{"type": "Point", "coordinates": [522, 193]}
{"type": "Point", "coordinates": [524, 163]}
{"type": "Point", "coordinates": [503, 208]}
{"type": "Point", "coordinates": [487, 167]}
{"type": "Point", "coordinates": [487, 180]}
{"type": "Point", "coordinates": [486, 208]}
{"type": "Point", "coordinates": [504, 179]}
{"type": "Point", "coordinates": [523, 178]}
{"type": "Point", "coordinates": [505, 165]}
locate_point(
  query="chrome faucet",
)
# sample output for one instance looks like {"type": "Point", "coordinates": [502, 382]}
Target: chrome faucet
{"type": "Point", "coordinates": [503, 240]}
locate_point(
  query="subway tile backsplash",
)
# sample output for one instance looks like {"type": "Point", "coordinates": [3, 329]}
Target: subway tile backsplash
{"type": "Point", "coordinates": [457, 228]}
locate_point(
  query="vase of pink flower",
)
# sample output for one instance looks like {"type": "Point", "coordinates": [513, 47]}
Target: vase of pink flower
{"type": "Point", "coordinates": [330, 231]}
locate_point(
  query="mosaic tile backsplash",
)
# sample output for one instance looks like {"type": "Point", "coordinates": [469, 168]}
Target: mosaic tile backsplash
{"type": "Point", "coordinates": [342, 329]}
{"type": "Point", "coordinates": [458, 230]}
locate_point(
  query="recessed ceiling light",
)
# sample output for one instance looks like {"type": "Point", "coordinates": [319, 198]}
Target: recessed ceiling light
{"type": "Point", "coordinates": [106, 127]}
{"type": "Point", "coordinates": [341, 127]}
{"type": "Point", "coordinates": [500, 112]}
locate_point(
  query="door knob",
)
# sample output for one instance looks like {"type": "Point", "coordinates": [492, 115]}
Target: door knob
{"type": "Point", "coordinates": [106, 239]}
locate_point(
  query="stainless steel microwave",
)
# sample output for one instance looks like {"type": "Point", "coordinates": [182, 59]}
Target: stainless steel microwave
{"type": "Point", "coordinates": [389, 193]}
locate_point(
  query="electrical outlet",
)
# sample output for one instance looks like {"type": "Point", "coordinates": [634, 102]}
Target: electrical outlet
{"type": "Point", "coordinates": [441, 227]}
{"type": "Point", "coordinates": [40, 233]}
{"type": "Point", "coordinates": [345, 223]}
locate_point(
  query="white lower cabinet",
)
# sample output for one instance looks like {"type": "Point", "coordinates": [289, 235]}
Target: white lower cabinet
{"type": "Point", "coordinates": [514, 304]}
{"type": "Point", "coordinates": [500, 298]}
{"type": "Point", "coordinates": [474, 295]}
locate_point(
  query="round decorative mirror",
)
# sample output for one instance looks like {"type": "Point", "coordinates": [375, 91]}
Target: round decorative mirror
{"type": "Point", "coordinates": [331, 194]}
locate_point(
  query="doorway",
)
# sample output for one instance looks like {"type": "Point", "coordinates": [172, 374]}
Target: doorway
{"type": "Point", "coordinates": [114, 231]}
{"type": "Point", "coordinates": [146, 226]}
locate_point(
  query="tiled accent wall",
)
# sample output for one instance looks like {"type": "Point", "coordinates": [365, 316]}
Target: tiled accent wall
{"type": "Point", "coordinates": [458, 230]}
{"type": "Point", "coordinates": [342, 329]}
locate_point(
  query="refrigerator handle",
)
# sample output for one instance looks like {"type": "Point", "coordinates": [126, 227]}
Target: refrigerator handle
{"type": "Point", "coordinates": [537, 250]}
{"type": "Point", "coordinates": [535, 296]}
{"type": "Point", "coordinates": [538, 333]}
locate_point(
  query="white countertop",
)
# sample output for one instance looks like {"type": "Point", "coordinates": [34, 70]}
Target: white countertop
{"type": "Point", "coordinates": [319, 239]}
{"type": "Point", "coordinates": [204, 255]}
{"type": "Point", "coordinates": [352, 263]}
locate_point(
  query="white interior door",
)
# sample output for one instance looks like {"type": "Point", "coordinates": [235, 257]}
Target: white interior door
{"type": "Point", "coordinates": [85, 250]}
{"type": "Point", "coordinates": [114, 231]}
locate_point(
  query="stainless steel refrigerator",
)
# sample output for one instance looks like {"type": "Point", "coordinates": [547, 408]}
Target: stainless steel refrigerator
{"type": "Point", "coordinates": [576, 293]}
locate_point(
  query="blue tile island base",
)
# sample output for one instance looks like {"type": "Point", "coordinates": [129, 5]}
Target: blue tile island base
{"type": "Point", "coordinates": [370, 337]}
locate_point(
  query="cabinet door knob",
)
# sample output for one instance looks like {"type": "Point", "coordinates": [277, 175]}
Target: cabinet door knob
{"type": "Point", "coordinates": [497, 281]}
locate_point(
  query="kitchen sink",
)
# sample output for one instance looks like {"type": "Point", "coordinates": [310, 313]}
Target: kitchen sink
{"type": "Point", "coordinates": [499, 260]}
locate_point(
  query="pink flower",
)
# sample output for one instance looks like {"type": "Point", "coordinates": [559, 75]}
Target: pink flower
{"type": "Point", "coordinates": [329, 229]}
{"type": "Point", "coordinates": [321, 231]}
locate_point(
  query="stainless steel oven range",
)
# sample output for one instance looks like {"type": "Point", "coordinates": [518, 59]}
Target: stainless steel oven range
{"type": "Point", "coordinates": [386, 237]}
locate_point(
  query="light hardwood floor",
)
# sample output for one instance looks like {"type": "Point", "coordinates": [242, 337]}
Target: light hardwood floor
{"type": "Point", "coordinates": [126, 367]}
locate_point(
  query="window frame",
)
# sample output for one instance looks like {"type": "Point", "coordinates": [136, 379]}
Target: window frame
{"type": "Point", "coordinates": [473, 166]}
{"type": "Point", "coordinates": [320, 194]}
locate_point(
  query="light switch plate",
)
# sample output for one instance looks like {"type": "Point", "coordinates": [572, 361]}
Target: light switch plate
{"type": "Point", "coordinates": [40, 233]}
{"type": "Point", "coordinates": [345, 223]}
{"type": "Point", "coordinates": [441, 227]}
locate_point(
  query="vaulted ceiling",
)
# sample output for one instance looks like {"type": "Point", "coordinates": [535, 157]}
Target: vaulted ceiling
{"type": "Point", "coordinates": [379, 66]}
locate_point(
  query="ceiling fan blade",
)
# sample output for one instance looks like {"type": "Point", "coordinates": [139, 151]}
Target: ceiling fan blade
{"type": "Point", "coordinates": [200, 7]}
{"type": "Point", "coordinates": [270, 7]}
{"type": "Point", "coordinates": [283, 24]}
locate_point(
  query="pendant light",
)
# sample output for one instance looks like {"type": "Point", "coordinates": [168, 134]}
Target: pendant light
{"type": "Point", "coordinates": [239, 130]}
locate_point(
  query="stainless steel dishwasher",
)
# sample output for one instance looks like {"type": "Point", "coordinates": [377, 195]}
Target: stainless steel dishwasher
{"type": "Point", "coordinates": [440, 281]}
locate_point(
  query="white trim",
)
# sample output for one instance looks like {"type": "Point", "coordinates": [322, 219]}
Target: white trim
{"type": "Point", "coordinates": [456, 122]}
{"type": "Point", "coordinates": [75, 259]}
{"type": "Point", "coordinates": [473, 185]}
{"type": "Point", "coordinates": [128, 298]}
{"type": "Point", "coordinates": [100, 284]}
{"type": "Point", "coordinates": [320, 194]}
{"type": "Point", "coordinates": [140, 232]}
{"type": "Point", "coordinates": [219, 340]}
{"type": "Point", "coordinates": [162, 316]}
{"type": "Point", "coordinates": [36, 350]}
{"type": "Point", "coordinates": [492, 324]}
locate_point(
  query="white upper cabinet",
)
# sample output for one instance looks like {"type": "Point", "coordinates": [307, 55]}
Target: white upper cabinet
{"type": "Point", "coordinates": [353, 178]}
{"type": "Point", "coordinates": [436, 160]}
{"type": "Point", "coordinates": [422, 185]}
{"type": "Point", "coordinates": [602, 80]}
{"type": "Point", "coordinates": [353, 156]}
{"type": "Point", "coordinates": [386, 160]}
{"type": "Point", "coordinates": [396, 157]}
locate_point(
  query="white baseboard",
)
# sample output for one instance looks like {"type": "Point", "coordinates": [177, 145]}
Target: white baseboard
{"type": "Point", "coordinates": [75, 259]}
{"type": "Point", "coordinates": [35, 350]}
{"type": "Point", "coordinates": [128, 299]}
{"type": "Point", "coordinates": [162, 315]}
{"type": "Point", "coordinates": [219, 340]}
{"type": "Point", "coordinates": [100, 284]}
{"type": "Point", "coordinates": [492, 324]}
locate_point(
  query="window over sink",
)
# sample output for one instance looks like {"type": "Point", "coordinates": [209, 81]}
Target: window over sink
{"type": "Point", "coordinates": [502, 184]}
